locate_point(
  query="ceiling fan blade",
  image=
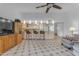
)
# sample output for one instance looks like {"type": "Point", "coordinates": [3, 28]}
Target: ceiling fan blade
{"type": "Point", "coordinates": [47, 9]}
{"type": "Point", "coordinates": [41, 6]}
{"type": "Point", "coordinates": [56, 6]}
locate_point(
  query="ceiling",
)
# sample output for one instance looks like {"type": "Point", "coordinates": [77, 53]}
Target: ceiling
{"type": "Point", "coordinates": [28, 11]}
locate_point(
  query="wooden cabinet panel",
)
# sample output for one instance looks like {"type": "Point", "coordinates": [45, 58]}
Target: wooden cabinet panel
{"type": "Point", "coordinates": [1, 46]}
{"type": "Point", "coordinates": [6, 42]}
{"type": "Point", "coordinates": [19, 38]}
{"type": "Point", "coordinates": [9, 41]}
{"type": "Point", "coordinates": [18, 27]}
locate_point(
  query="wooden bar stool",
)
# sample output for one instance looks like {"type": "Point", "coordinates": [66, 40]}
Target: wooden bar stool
{"type": "Point", "coordinates": [35, 35]}
{"type": "Point", "coordinates": [28, 34]}
{"type": "Point", "coordinates": [42, 35]}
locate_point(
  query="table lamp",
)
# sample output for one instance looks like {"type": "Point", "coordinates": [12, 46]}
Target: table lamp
{"type": "Point", "coordinates": [72, 30]}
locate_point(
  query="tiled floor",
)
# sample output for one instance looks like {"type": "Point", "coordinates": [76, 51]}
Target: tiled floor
{"type": "Point", "coordinates": [39, 48]}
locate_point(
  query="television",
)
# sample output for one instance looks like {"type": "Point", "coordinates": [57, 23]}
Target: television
{"type": "Point", "coordinates": [8, 27]}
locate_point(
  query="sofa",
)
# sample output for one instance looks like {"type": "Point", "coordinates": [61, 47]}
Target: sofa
{"type": "Point", "coordinates": [68, 41]}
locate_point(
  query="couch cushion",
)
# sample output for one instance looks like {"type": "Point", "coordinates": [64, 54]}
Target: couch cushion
{"type": "Point", "coordinates": [76, 46]}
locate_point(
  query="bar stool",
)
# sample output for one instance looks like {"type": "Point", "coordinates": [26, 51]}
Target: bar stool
{"type": "Point", "coordinates": [35, 35]}
{"type": "Point", "coordinates": [42, 35]}
{"type": "Point", "coordinates": [28, 34]}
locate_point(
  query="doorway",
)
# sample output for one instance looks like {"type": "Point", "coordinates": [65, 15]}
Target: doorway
{"type": "Point", "coordinates": [59, 28]}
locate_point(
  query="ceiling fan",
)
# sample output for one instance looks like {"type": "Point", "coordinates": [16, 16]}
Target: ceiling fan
{"type": "Point", "coordinates": [49, 5]}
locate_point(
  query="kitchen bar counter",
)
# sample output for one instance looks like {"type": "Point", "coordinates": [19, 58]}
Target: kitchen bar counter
{"type": "Point", "coordinates": [8, 41]}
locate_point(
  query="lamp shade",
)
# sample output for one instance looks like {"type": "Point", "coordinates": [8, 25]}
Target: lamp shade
{"type": "Point", "coordinates": [72, 29]}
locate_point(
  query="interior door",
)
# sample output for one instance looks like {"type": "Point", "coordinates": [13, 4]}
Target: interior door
{"type": "Point", "coordinates": [59, 28]}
